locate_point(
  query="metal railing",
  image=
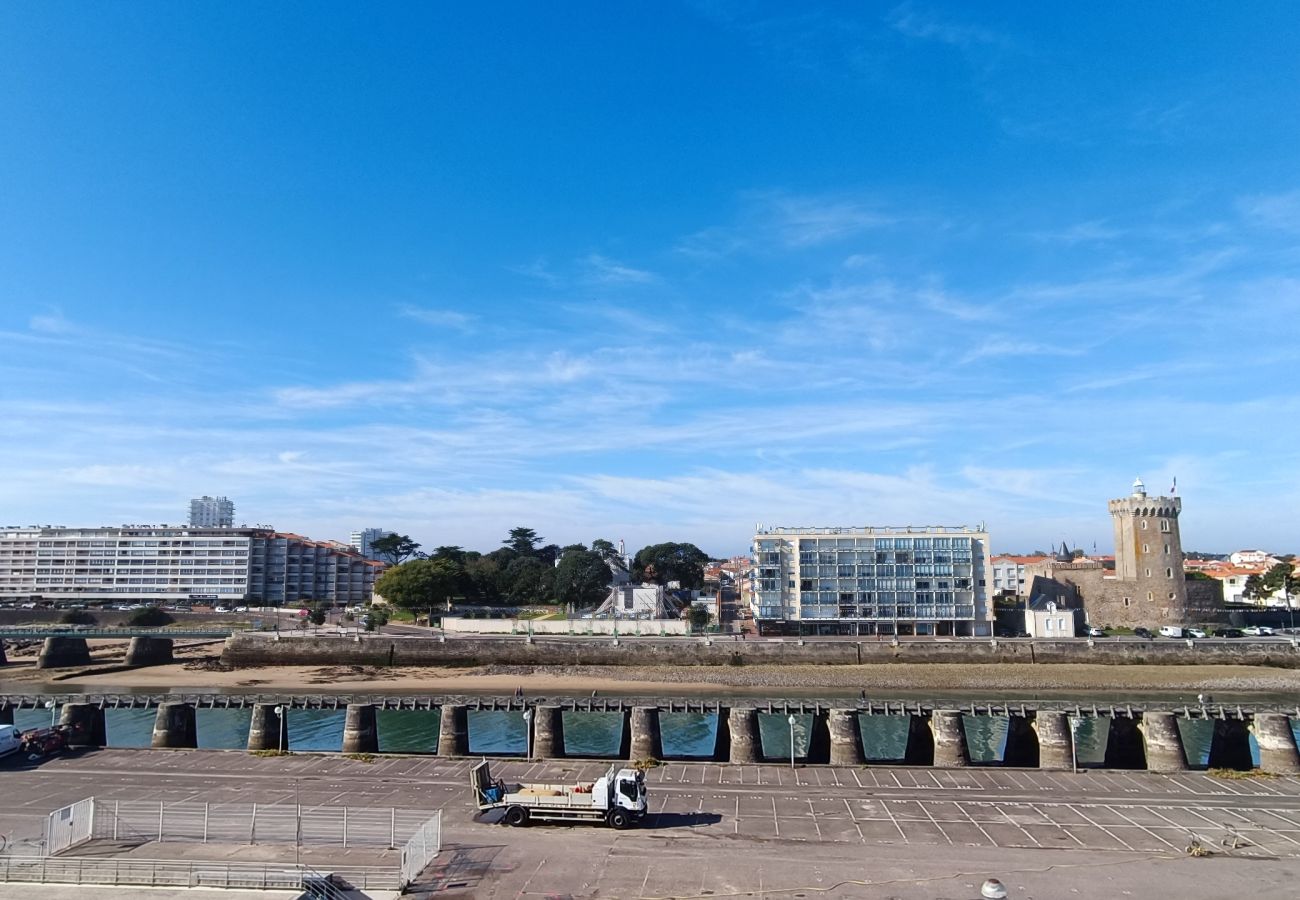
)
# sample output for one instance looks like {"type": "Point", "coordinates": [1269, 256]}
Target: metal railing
{"type": "Point", "coordinates": [179, 873]}
{"type": "Point", "coordinates": [422, 848]}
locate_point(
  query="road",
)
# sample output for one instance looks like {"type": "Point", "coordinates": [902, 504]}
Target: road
{"type": "Point", "coordinates": [763, 830]}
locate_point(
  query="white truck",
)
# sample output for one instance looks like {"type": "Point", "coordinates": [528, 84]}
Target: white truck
{"type": "Point", "coordinates": [11, 740]}
{"type": "Point", "coordinates": [617, 798]}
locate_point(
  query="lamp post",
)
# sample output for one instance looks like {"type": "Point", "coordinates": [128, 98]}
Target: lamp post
{"type": "Point", "coordinates": [528, 733]}
{"type": "Point", "coordinates": [49, 704]}
{"type": "Point", "coordinates": [791, 721]}
{"type": "Point", "coordinates": [1074, 744]}
{"type": "Point", "coordinates": [280, 726]}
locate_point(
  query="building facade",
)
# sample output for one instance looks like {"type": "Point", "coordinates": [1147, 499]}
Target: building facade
{"type": "Point", "coordinates": [171, 563]}
{"type": "Point", "coordinates": [212, 512]}
{"type": "Point", "coordinates": [867, 581]}
{"type": "Point", "coordinates": [361, 540]}
{"type": "Point", "coordinates": [1009, 574]}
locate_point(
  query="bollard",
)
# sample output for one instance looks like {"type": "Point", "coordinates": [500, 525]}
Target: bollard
{"type": "Point", "coordinates": [645, 743]}
{"type": "Point", "coordinates": [1230, 746]}
{"type": "Point", "coordinates": [1277, 746]}
{"type": "Point", "coordinates": [174, 727]}
{"type": "Point", "coordinates": [360, 729]}
{"type": "Point", "coordinates": [1163, 744]}
{"type": "Point", "coordinates": [548, 732]}
{"type": "Point", "coordinates": [453, 731]}
{"type": "Point", "coordinates": [949, 739]}
{"type": "Point", "coordinates": [1022, 750]}
{"type": "Point", "coordinates": [267, 729]}
{"type": "Point", "coordinates": [149, 651]}
{"type": "Point", "coordinates": [746, 745]}
{"type": "Point", "coordinates": [1124, 746]}
{"type": "Point", "coordinates": [85, 723]}
{"type": "Point", "coordinates": [63, 652]}
{"type": "Point", "coordinates": [1055, 740]}
{"type": "Point", "coordinates": [845, 738]}
{"type": "Point", "coordinates": [920, 742]}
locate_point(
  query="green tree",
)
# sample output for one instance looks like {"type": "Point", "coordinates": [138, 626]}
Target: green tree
{"type": "Point", "coordinates": [483, 578]}
{"type": "Point", "coordinates": [698, 617]}
{"type": "Point", "coordinates": [453, 553]}
{"type": "Point", "coordinates": [395, 549]}
{"type": "Point", "coordinates": [528, 580]}
{"type": "Point", "coordinates": [662, 563]}
{"type": "Point", "coordinates": [582, 577]}
{"type": "Point", "coordinates": [149, 617]}
{"type": "Point", "coordinates": [522, 541]}
{"type": "Point", "coordinates": [420, 583]}
{"type": "Point", "coordinates": [78, 617]}
{"type": "Point", "coordinates": [1261, 588]}
{"type": "Point", "coordinates": [603, 547]}
{"type": "Point", "coordinates": [317, 614]}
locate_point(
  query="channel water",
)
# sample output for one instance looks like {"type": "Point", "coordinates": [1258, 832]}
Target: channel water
{"type": "Point", "coordinates": [684, 735]}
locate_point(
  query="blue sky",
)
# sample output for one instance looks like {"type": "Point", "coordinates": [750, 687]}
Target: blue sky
{"type": "Point", "coordinates": [651, 271]}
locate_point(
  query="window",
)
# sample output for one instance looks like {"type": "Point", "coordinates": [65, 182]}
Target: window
{"type": "Point", "coordinates": [1148, 573]}
{"type": "Point", "coordinates": [1164, 525]}
{"type": "Point", "coordinates": [1144, 524]}
{"type": "Point", "coordinates": [1150, 595]}
{"type": "Point", "coordinates": [1127, 600]}
{"type": "Point", "coordinates": [1169, 573]}
{"type": "Point", "coordinates": [1146, 548]}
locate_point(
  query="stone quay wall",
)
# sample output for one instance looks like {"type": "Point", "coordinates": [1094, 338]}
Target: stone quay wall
{"type": "Point", "coordinates": [245, 650]}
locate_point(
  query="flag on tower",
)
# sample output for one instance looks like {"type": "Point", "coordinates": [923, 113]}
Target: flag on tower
{"type": "Point", "coordinates": [1174, 490]}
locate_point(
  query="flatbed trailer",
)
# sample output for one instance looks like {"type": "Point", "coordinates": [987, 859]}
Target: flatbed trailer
{"type": "Point", "coordinates": [617, 798]}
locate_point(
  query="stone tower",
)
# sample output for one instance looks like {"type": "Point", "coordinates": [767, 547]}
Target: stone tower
{"type": "Point", "coordinates": [1149, 553]}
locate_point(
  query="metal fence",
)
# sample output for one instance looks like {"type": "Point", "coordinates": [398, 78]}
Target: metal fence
{"type": "Point", "coordinates": [69, 826]}
{"type": "Point", "coordinates": [181, 873]}
{"type": "Point", "coordinates": [253, 823]}
{"type": "Point", "coordinates": [422, 848]}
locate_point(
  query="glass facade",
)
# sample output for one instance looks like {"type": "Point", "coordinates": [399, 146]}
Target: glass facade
{"type": "Point", "coordinates": [872, 581]}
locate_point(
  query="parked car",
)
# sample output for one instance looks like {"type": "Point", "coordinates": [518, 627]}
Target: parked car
{"type": "Point", "coordinates": [1258, 631]}
{"type": "Point", "coordinates": [1229, 633]}
{"type": "Point", "coordinates": [1195, 633]}
{"type": "Point", "coordinates": [1094, 631]}
{"type": "Point", "coordinates": [1144, 633]}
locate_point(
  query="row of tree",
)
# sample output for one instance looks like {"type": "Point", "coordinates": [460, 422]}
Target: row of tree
{"type": "Point", "coordinates": [524, 571]}
{"type": "Point", "coordinates": [1260, 588]}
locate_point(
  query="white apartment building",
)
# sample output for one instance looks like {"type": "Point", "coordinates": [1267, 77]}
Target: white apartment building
{"type": "Point", "coordinates": [1009, 573]}
{"type": "Point", "coordinates": [872, 580]}
{"type": "Point", "coordinates": [361, 540]}
{"type": "Point", "coordinates": [176, 562]}
{"type": "Point", "coordinates": [212, 512]}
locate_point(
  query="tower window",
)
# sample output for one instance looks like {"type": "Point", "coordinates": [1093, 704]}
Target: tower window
{"type": "Point", "coordinates": [1151, 595]}
{"type": "Point", "coordinates": [1146, 548]}
{"type": "Point", "coordinates": [1148, 573]}
{"type": "Point", "coordinates": [1169, 573]}
{"type": "Point", "coordinates": [1128, 600]}
{"type": "Point", "coordinates": [1144, 524]}
{"type": "Point", "coordinates": [1173, 595]}
{"type": "Point", "coordinates": [1164, 524]}
{"type": "Point", "coordinates": [1166, 549]}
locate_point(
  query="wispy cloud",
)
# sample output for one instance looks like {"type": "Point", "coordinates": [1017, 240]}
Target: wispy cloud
{"type": "Point", "coordinates": [602, 270]}
{"type": "Point", "coordinates": [927, 25]}
{"type": "Point", "coordinates": [1280, 211]}
{"type": "Point", "coordinates": [1003, 347]}
{"type": "Point", "coordinates": [442, 318]}
{"type": "Point", "coordinates": [789, 221]}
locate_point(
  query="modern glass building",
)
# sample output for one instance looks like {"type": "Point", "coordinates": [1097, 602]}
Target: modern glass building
{"type": "Point", "coordinates": [927, 580]}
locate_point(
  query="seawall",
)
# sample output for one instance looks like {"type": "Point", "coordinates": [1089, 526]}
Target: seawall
{"type": "Point", "coordinates": [246, 650]}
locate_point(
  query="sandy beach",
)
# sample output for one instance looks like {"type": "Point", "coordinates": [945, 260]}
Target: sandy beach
{"type": "Point", "coordinates": [198, 670]}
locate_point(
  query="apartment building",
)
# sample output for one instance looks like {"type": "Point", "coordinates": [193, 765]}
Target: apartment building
{"type": "Point", "coordinates": [872, 580]}
{"type": "Point", "coordinates": [361, 540]}
{"type": "Point", "coordinates": [1009, 573]}
{"type": "Point", "coordinates": [176, 562]}
{"type": "Point", "coordinates": [212, 512]}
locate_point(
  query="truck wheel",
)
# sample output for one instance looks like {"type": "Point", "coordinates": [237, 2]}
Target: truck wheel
{"type": "Point", "coordinates": [618, 819]}
{"type": "Point", "coordinates": [516, 816]}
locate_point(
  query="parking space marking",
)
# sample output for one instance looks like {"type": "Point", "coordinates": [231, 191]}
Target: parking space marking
{"type": "Point", "coordinates": [1100, 828]}
{"type": "Point", "coordinates": [1146, 829]}
{"type": "Point", "coordinates": [854, 819]}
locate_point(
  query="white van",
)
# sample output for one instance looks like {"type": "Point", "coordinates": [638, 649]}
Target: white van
{"type": "Point", "coordinates": [10, 740]}
{"type": "Point", "coordinates": [1173, 631]}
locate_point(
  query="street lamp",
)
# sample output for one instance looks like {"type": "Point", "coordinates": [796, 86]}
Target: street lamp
{"type": "Point", "coordinates": [1074, 743]}
{"type": "Point", "coordinates": [791, 721]}
{"type": "Point", "coordinates": [528, 733]}
{"type": "Point", "coordinates": [49, 704]}
{"type": "Point", "coordinates": [280, 725]}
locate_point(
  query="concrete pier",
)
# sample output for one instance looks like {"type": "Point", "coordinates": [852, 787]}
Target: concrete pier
{"type": "Point", "coordinates": [360, 729]}
{"type": "Point", "coordinates": [1277, 747]}
{"type": "Point", "coordinates": [548, 732]}
{"type": "Point", "coordinates": [1055, 740]}
{"type": "Point", "coordinates": [1022, 750]}
{"type": "Point", "coordinates": [920, 742]}
{"type": "Point", "coordinates": [949, 739]}
{"type": "Point", "coordinates": [746, 744]}
{"type": "Point", "coordinates": [86, 722]}
{"type": "Point", "coordinates": [149, 651]}
{"type": "Point", "coordinates": [1230, 746]}
{"type": "Point", "coordinates": [63, 652]}
{"type": "Point", "coordinates": [646, 742]}
{"type": "Point", "coordinates": [174, 727]}
{"type": "Point", "coordinates": [818, 752]}
{"type": "Point", "coordinates": [453, 731]}
{"type": "Point", "coordinates": [722, 736]}
{"type": "Point", "coordinates": [1124, 746]}
{"type": "Point", "coordinates": [1163, 743]}
{"type": "Point", "coordinates": [267, 729]}
{"type": "Point", "coordinates": [845, 738]}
